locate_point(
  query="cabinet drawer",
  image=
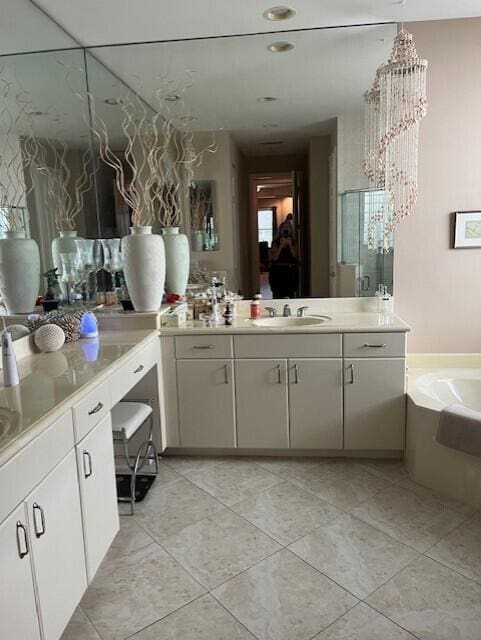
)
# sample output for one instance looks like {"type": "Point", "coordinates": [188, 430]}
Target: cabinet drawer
{"type": "Point", "coordinates": [29, 466]}
{"type": "Point", "coordinates": [89, 411]}
{"type": "Point", "coordinates": [374, 345]}
{"type": "Point", "coordinates": [203, 347]}
{"type": "Point", "coordinates": [134, 370]}
{"type": "Point", "coordinates": [284, 346]}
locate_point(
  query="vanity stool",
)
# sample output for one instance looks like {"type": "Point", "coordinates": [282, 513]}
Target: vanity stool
{"type": "Point", "coordinates": [127, 419]}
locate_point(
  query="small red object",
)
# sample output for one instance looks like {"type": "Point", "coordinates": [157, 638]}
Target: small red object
{"type": "Point", "coordinates": [173, 297]}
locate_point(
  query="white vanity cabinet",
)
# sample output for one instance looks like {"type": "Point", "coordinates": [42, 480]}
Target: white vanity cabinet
{"type": "Point", "coordinates": [315, 403]}
{"type": "Point", "coordinates": [313, 391]}
{"type": "Point", "coordinates": [374, 403]}
{"type": "Point", "coordinates": [96, 471]}
{"type": "Point", "coordinates": [205, 389]}
{"type": "Point", "coordinates": [55, 526]}
{"type": "Point", "coordinates": [18, 614]}
{"type": "Point", "coordinates": [261, 404]}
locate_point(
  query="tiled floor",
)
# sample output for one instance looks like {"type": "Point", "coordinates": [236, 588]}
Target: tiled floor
{"type": "Point", "coordinates": [276, 549]}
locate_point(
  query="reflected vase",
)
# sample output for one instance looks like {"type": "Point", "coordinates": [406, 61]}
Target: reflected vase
{"type": "Point", "coordinates": [143, 257]}
{"type": "Point", "coordinates": [19, 272]}
{"type": "Point", "coordinates": [67, 242]}
{"type": "Point", "coordinates": [177, 260]}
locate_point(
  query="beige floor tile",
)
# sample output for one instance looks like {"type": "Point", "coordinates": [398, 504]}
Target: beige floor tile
{"type": "Point", "coordinates": [129, 593]}
{"type": "Point", "coordinates": [392, 470]}
{"type": "Point", "coordinates": [461, 549]}
{"type": "Point", "coordinates": [449, 503]}
{"type": "Point", "coordinates": [203, 619]}
{"type": "Point", "coordinates": [79, 628]}
{"type": "Point", "coordinates": [217, 548]}
{"type": "Point", "coordinates": [432, 602]}
{"type": "Point", "coordinates": [282, 598]}
{"type": "Point", "coordinates": [286, 468]}
{"type": "Point", "coordinates": [412, 519]}
{"type": "Point", "coordinates": [354, 554]}
{"type": "Point", "coordinates": [231, 482]}
{"type": "Point", "coordinates": [286, 512]}
{"type": "Point", "coordinates": [341, 483]}
{"type": "Point", "coordinates": [363, 623]}
{"type": "Point", "coordinates": [186, 464]}
{"type": "Point", "coordinates": [169, 509]}
{"type": "Point", "coordinates": [130, 537]}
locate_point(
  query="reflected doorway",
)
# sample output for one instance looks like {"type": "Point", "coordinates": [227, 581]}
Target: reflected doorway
{"type": "Point", "coordinates": [276, 235]}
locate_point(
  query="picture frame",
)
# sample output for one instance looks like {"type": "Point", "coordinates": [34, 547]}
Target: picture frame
{"type": "Point", "coordinates": [467, 230]}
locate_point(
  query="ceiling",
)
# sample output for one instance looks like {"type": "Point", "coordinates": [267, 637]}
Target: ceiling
{"type": "Point", "coordinates": [325, 75]}
{"type": "Point", "coordinates": [120, 21]}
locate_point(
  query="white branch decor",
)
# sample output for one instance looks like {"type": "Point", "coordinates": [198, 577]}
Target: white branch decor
{"type": "Point", "coordinates": [394, 108]}
{"type": "Point", "coordinates": [16, 114]}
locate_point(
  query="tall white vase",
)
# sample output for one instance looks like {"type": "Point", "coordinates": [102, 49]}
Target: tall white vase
{"type": "Point", "coordinates": [177, 260]}
{"type": "Point", "coordinates": [143, 257]}
{"type": "Point", "coordinates": [19, 272]}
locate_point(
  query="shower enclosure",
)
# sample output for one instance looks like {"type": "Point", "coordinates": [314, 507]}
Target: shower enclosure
{"type": "Point", "coordinates": [362, 268]}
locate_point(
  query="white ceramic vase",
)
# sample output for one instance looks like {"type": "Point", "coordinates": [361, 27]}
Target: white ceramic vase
{"type": "Point", "coordinates": [19, 272]}
{"type": "Point", "coordinates": [143, 257]}
{"type": "Point", "coordinates": [177, 260]}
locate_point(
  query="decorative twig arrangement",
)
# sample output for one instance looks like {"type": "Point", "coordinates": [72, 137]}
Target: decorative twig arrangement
{"type": "Point", "coordinates": [17, 113]}
{"type": "Point", "coordinates": [159, 156]}
{"type": "Point", "coordinates": [64, 192]}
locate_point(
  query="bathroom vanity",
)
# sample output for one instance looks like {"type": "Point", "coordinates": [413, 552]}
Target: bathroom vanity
{"type": "Point", "coordinates": [58, 502]}
{"type": "Point", "coordinates": [337, 386]}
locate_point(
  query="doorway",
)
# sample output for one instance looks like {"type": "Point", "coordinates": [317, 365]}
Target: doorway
{"type": "Point", "coordinates": [275, 235]}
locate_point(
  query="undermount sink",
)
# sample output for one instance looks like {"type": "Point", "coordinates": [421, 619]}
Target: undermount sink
{"type": "Point", "coordinates": [290, 321]}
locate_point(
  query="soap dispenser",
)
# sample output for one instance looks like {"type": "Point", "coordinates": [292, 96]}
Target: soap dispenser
{"type": "Point", "coordinates": [9, 361]}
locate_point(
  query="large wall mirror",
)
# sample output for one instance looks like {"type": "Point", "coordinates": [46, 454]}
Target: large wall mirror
{"type": "Point", "coordinates": [277, 200]}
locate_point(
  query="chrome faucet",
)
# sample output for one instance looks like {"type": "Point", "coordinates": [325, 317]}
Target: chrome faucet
{"type": "Point", "coordinates": [271, 311]}
{"type": "Point", "coordinates": [286, 311]}
{"type": "Point", "coordinates": [301, 311]}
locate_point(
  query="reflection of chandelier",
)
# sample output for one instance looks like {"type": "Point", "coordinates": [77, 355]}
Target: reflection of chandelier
{"type": "Point", "coordinates": [394, 108]}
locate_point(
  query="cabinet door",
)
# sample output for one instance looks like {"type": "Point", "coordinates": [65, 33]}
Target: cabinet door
{"type": "Point", "coordinates": [261, 404]}
{"type": "Point", "coordinates": [18, 611]}
{"type": "Point", "coordinates": [315, 403]}
{"type": "Point", "coordinates": [55, 524]}
{"type": "Point", "coordinates": [206, 403]}
{"type": "Point", "coordinates": [96, 468]}
{"type": "Point", "coordinates": [374, 403]}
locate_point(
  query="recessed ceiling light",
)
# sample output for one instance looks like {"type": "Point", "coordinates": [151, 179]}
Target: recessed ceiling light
{"type": "Point", "coordinates": [114, 102]}
{"type": "Point", "coordinates": [271, 143]}
{"type": "Point", "coordinates": [280, 47]}
{"type": "Point", "coordinates": [270, 125]}
{"type": "Point", "coordinates": [279, 13]}
{"type": "Point", "coordinates": [172, 97]}
{"type": "Point", "coordinates": [266, 99]}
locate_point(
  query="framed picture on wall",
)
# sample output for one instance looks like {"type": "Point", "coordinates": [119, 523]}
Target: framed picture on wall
{"type": "Point", "coordinates": [467, 229]}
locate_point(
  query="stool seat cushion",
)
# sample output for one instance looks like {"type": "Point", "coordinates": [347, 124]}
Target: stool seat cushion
{"type": "Point", "coordinates": [129, 417]}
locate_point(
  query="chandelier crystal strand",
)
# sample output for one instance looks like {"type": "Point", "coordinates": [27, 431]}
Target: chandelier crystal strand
{"type": "Point", "coordinates": [391, 155]}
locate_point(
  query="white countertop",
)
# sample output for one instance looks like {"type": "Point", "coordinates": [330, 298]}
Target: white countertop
{"type": "Point", "coordinates": [340, 322]}
{"type": "Point", "coordinates": [51, 382]}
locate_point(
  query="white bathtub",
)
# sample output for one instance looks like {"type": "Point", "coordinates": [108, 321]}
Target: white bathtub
{"type": "Point", "coordinates": [435, 382]}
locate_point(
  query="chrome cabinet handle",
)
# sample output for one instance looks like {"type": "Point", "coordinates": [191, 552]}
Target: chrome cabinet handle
{"type": "Point", "coordinates": [139, 368]}
{"type": "Point", "coordinates": [296, 374]}
{"type": "Point", "coordinates": [351, 369]}
{"type": "Point", "coordinates": [203, 346]}
{"type": "Point", "coordinates": [226, 374]}
{"type": "Point", "coordinates": [38, 532]}
{"type": "Point", "coordinates": [374, 346]}
{"type": "Point", "coordinates": [279, 374]}
{"type": "Point", "coordinates": [87, 458]}
{"type": "Point", "coordinates": [98, 407]}
{"type": "Point", "coordinates": [22, 551]}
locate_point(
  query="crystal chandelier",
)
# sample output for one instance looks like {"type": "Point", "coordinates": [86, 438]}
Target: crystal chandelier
{"type": "Point", "coordinates": [394, 107]}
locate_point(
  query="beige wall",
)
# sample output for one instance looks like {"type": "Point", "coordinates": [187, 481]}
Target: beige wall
{"type": "Point", "coordinates": [438, 289]}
